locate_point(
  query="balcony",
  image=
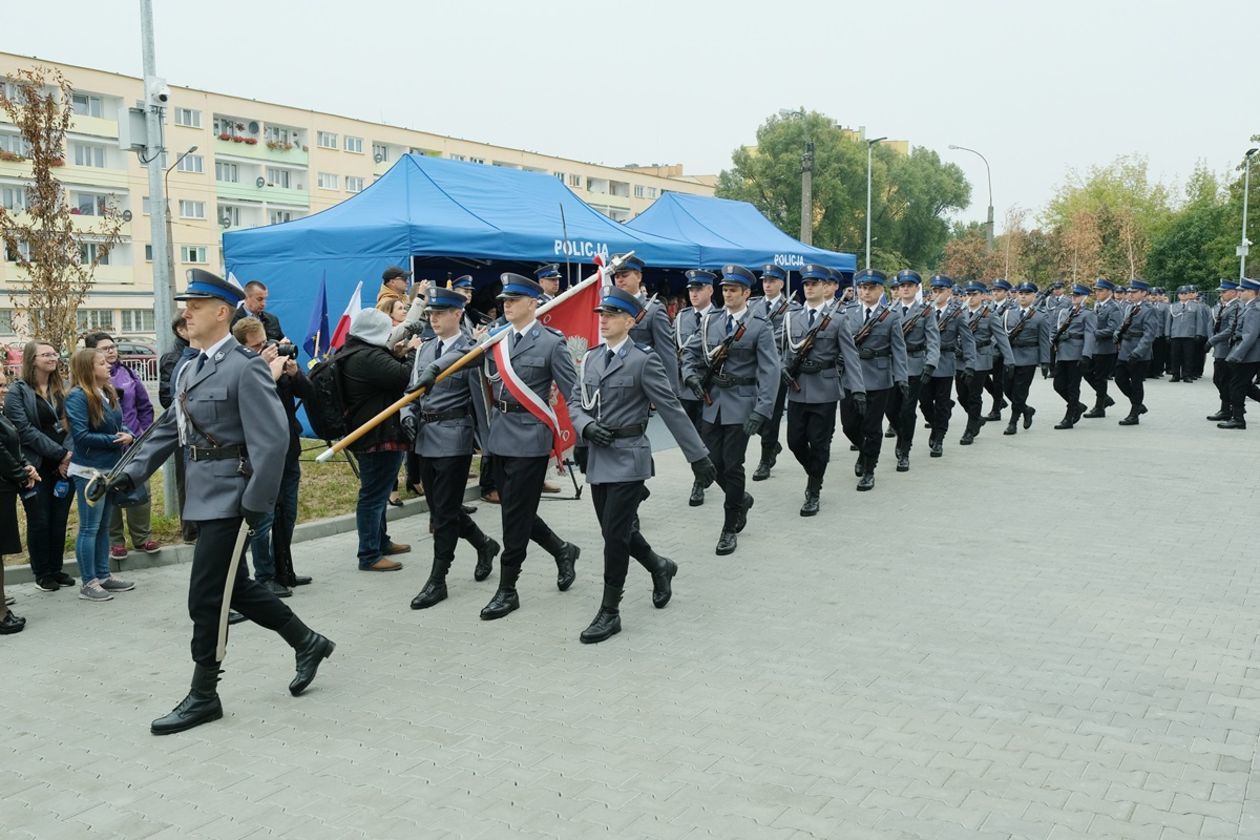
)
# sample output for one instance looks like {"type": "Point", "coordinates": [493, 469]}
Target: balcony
{"type": "Point", "coordinates": [250, 192]}
{"type": "Point", "coordinates": [260, 151]}
{"type": "Point", "coordinates": [92, 224]}
{"type": "Point", "coordinates": [94, 126]}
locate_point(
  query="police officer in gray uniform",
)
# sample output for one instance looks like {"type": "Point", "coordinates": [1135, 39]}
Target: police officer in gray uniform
{"type": "Point", "coordinates": [987, 334]}
{"type": "Point", "coordinates": [1183, 325]}
{"type": "Point", "coordinates": [732, 365]}
{"type": "Point", "coordinates": [687, 324]}
{"type": "Point", "coordinates": [520, 441]}
{"type": "Point", "coordinates": [957, 356]}
{"type": "Point", "coordinates": [820, 365]}
{"type": "Point", "coordinates": [1244, 355]}
{"type": "Point", "coordinates": [548, 277]}
{"type": "Point", "coordinates": [1224, 327]}
{"type": "Point", "coordinates": [233, 470]}
{"type": "Point", "coordinates": [1002, 301]}
{"type": "Point", "coordinates": [653, 330]}
{"type": "Point", "coordinates": [773, 306]}
{"type": "Point", "coordinates": [619, 383]}
{"type": "Point", "coordinates": [1027, 329]}
{"type": "Point", "coordinates": [922, 339]}
{"type": "Point", "coordinates": [881, 345]}
{"type": "Point", "coordinates": [1101, 358]}
{"type": "Point", "coordinates": [1071, 341]}
{"type": "Point", "coordinates": [442, 425]}
{"type": "Point", "coordinates": [1135, 341]}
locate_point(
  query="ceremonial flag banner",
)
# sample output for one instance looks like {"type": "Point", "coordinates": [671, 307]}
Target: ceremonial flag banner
{"type": "Point", "coordinates": [353, 307]}
{"type": "Point", "coordinates": [318, 339]}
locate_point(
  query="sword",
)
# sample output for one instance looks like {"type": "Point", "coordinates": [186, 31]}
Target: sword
{"type": "Point", "coordinates": [237, 551]}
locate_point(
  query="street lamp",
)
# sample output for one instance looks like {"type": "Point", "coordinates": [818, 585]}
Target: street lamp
{"type": "Point", "coordinates": [989, 173]}
{"type": "Point", "coordinates": [1243, 244]}
{"type": "Point", "coordinates": [870, 144]}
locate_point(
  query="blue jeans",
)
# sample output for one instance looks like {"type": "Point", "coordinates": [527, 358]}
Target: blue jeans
{"type": "Point", "coordinates": [91, 544]}
{"type": "Point", "coordinates": [377, 473]}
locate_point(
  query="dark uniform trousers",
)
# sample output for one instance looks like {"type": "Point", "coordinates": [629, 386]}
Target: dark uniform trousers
{"type": "Point", "coordinates": [1101, 369]}
{"type": "Point", "coordinates": [520, 482]}
{"type": "Point", "coordinates": [770, 432]}
{"type": "Point", "coordinates": [1017, 386]}
{"type": "Point", "coordinates": [1067, 382]}
{"type": "Point", "coordinates": [938, 404]}
{"type": "Point", "coordinates": [727, 445]}
{"type": "Point", "coordinates": [617, 508]}
{"type": "Point", "coordinates": [971, 397]}
{"type": "Point", "coordinates": [1159, 359]}
{"type": "Point", "coordinates": [1129, 379]}
{"type": "Point", "coordinates": [1221, 379]}
{"type": "Point", "coordinates": [444, 480]}
{"type": "Point", "coordinates": [810, 427]}
{"type": "Point", "coordinates": [901, 413]}
{"type": "Point", "coordinates": [997, 381]}
{"type": "Point", "coordinates": [693, 409]}
{"type": "Point", "coordinates": [215, 540]}
{"type": "Point", "coordinates": [1181, 357]}
{"type": "Point", "coordinates": [865, 431]}
{"type": "Point", "coordinates": [1242, 379]}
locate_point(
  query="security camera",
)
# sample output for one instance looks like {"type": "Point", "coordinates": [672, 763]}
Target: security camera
{"type": "Point", "coordinates": [157, 92]}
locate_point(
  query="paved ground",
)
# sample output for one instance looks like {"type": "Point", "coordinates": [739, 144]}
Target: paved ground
{"type": "Point", "coordinates": [1046, 636]}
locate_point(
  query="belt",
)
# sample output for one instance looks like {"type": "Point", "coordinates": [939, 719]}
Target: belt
{"type": "Point", "coordinates": [217, 453]}
{"type": "Point", "coordinates": [916, 348]}
{"type": "Point", "coordinates": [812, 367]}
{"type": "Point", "coordinates": [725, 381]}
{"type": "Point", "coordinates": [873, 354]}
{"type": "Point", "coordinates": [630, 431]}
{"type": "Point", "coordinates": [510, 407]}
{"type": "Point", "coordinates": [437, 416]}
{"type": "Point", "coordinates": [948, 348]}
{"type": "Point", "coordinates": [980, 345]}
{"type": "Point", "coordinates": [1025, 343]}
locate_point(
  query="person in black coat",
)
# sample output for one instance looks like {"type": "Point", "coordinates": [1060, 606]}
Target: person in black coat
{"type": "Point", "coordinates": [15, 475]}
{"type": "Point", "coordinates": [166, 366]}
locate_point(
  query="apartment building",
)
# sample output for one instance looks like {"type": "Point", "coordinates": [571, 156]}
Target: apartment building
{"type": "Point", "coordinates": [254, 163]}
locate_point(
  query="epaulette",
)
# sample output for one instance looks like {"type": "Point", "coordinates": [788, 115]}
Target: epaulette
{"type": "Point", "coordinates": [642, 347]}
{"type": "Point", "coordinates": [554, 331]}
{"type": "Point", "coordinates": [245, 351]}
{"type": "Point", "coordinates": [757, 316]}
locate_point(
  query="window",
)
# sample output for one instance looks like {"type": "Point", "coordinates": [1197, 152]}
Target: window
{"type": "Point", "coordinates": [280, 135]}
{"type": "Point", "coordinates": [95, 319]}
{"type": "Point", "coordinates": [477, 160]}
{"type": "Point", "coordinates": [192, 163]}
{"type": "Point", "coordinates": [137, 320]}
{"type": "Point", "coordinates": [13, 198]}
{"type": "Point", "coordinates": [23, 250]}
{"type": "Point", "coordinates": [354, 184]}
{"type": "Point", "coordinates": [329, 181]}
{"type": "Point", "coordinates": [277, 177]}
{"type": "Point", "coordinates": [88, 154]}
{"type": "Point", "coordinates": [575, 180]}
{"type": "Point", "coordinates": [188, 117]}
{"type": "Point", "coordinates": [86, 105]}
{"type": "Point", "coordinates": [326, 140]}
{"type": "Point", "coordinates": [6, 322]}
{"type": "Point", "coordinates": [148, 253]}
{"type": "Point", "coordinates": [278, 216]}
{"type": "Point", "coordinates": [458, 157]}
{"type": "Point", "coordinates": [91, 252]}
{"type": "Point", "coordinates": [192, 209]}
{"type": "Point", "coordinates": [231, 215]}
{"type": "Point", "coordinates": [380, 152]}
{"type": "Point", "coordinates": [88, 204]}
{"type": "Point", "coordinates": [228, 173]}
{"type": "Point", "coordinates": [651, 192]}
{"type": "Point", "coordinates": [14, 144]}
{"type": "Point", "coordinates": [354, 144]}
{"type": "Point", "coordinates": [559, 175]}
{"type": "Point", "coordinates": [638, 191]}
{"type": "Point", "coordinates": [192, 253]}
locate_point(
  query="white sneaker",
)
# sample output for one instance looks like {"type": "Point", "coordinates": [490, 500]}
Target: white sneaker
{"type": "Point", "coordinates": [113, 584]}
{"type": "Point", "coordinates": [92, 591]}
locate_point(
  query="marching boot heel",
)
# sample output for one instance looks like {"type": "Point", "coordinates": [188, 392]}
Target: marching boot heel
{"type": "Point", "coordinates": [663, 571]}
{"type": "Point", "coordinates": [310, 650]}
{"type": "Point", "coordinates": [202, 704]}
{"type": "Point", "coordinates": [565, 566]}
{"type": "Point", "coordinates": [812, 490]}
{"type": "Point", "coordinates": [485, 559]}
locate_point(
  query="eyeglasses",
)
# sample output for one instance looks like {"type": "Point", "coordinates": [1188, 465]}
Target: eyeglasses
{"type": "Point", "coordinates": [46, 355]}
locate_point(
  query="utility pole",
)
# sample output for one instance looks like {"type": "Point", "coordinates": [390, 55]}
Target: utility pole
{"type": "Point", "coordinates": [1244, 244]}
{"type": "Point", "coordinates": [807, 194]}
{"type": "Point", "coordinates": [870, 144]}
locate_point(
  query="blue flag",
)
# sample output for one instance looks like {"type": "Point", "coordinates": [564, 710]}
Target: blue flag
{"type": "Point", "coordinates": [318, 338]}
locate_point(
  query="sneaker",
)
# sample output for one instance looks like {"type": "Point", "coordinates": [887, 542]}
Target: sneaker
{"type": "Point", "coordinates": [64, 579]}
{"type": "Point", "coordinates": [47, 585]}
{"type": "Point", "coordinates": [150, 547]}
{"type": "Point", "coordinates": [113, 584]}
{"type": "Point", "coordinates": [92, 591]}
{"type": "Point", "coordinates": [118, 552]}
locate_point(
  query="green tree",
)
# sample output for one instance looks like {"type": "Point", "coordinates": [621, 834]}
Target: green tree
{"type": "Point", "coordinates": [1196, 246]}
{"type": "Point", "coordinates": [920, 190]}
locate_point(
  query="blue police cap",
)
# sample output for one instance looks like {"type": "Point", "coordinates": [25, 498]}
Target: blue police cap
{"type": "Point", "coordinates": [1026, 286]}
{"type": "Point", "coordinates": [631, 263]}
{"type": "Point", "coordinates": [906, 276]}
{"type": "Point", "coordinates": [1158, 290]}
{"type": "Point", "coordinates": [518, 285]}
{"type": "Point", "coordinates": [940, 281]}
{"type": "Point", "coordinates": [870, 277]}
{"type": "Point", "coordinates": [1249, 285]}
{"type": "Point", "coordinates": [202, 285]}
{"type": "Point", "coordinates": [1227, 286]}
{"type": "Point", "coordinates": [975, 287]}
{"type": "Point", "coordinates": [1058, 284]}
{"type": "Point", "coordinates": [737, 274]}
{"type": "Point", "coordinates": [700, 277]}
{"type": "Point", "coordinates": [619, 301]}
{"type": "Point", "coordinates": [773, 272]}
{"type": "Point", "coordinates": [1104, 283]}
{"type": "Point", "coordinates": [464, 281]}
{"type": "Point", "coordinates": [445, 299]}
{"type": "Point", "coordinates": [1078, 289]}
{"type": "Point", "coordinates": [1138, 285]}
{"type": "Point", "coordinates": [813, 271]}
{"type": "Point", "coordinates": [547, 271]}
{"type": "Point", "coordinates": [1002, 285]}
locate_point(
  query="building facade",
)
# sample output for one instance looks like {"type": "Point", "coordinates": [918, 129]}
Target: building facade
{"type": "Point", "coordinates": [254, 164]}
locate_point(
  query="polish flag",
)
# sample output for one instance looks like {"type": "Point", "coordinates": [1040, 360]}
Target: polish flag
{"type": "Point", "coordinates": [354, 307]}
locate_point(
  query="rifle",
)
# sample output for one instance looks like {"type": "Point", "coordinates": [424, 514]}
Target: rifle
{"type": "Point", "coordinates": [804, 348]}
{"type": "Point", "coordinates": [1061, 331]}
{"type": "Point", "coordinates": [909, 325]}
{"type": "Point", "coordinates": [1128, 322]}
{"type": "Point", "coordinates": [975, 322]}
{"type": "Point", "coordinates": [863, 333]}
{"type": "Point", "coordinates": [717, 359]}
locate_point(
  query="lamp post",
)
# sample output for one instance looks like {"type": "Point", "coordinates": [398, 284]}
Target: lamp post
{"type": "Point", "coordinates": [989, 174]}
{"type": "Point", "coordinates": [870, 144]}
{"type": "Point", "coordinates": [170, 240]}
{"type": "Point", "coordinates": [1244, 243]}
{"type": "Point", "coordinates": [807, 193]}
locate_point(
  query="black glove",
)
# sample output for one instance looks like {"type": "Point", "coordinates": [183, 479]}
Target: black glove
{"type": "Point", "coordinates": [598, 434]}
{"type": "Point", "coordinates": [753, 424]}
{"type": "Point", "coordinates": [785, 376]}
{"type": "Point", "coordinates": [968, 375]}
{"type": "Point", "coordinates": [253, 518]}
{"type": "Point", "coordinates": [926, 377]}
{"type": "Point", "coordinates": [410, 428]}
{"type": "Point", "coordinates": [1045, 371]}
{"type": "Point", "coordinates": [704, 471]}
{"type": "Point", "coordinates": [904, 389]}
{"type": "Point", "coordinates": [697, 389]}
{"type": "Point", "coordinates": [859, 402]}
{"type": "Point", "coordinates": [122, 482]}
{"type": "Point", "coordinates": [426, 379]}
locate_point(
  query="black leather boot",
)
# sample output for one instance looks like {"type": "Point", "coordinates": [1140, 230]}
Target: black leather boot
{"type": "Point", "coordinates": [1029, 411]}
{"type": "Point", "coordinates": [727, 542]}
{"type": "Point", "coordinates": [968, 435]}
{"type": "Point", "coordinates": [434, 591]}
{"type": "Point", "coordinates": [936, 447]}
{"type": "Point", "coordinates": [310, 648]}
{"type": "Point", "coordinates": [866, 482]}
{"type": "Point", "coordinates": [1011, 426]}
{"type": "Point", "coordinates": [565, 560]}
{"type": "Point", "coordinates": [200, 706]}
{"type": "Point", "coordinates": [485, 558]}
{"type": "Point", "coordinates": [1232, 424]}
{"type": "Point", "coordinates": [768, 457]}
{"type": "Point", "coordinates": [505, 599]}
{"type": "Point", "coordinates": [697, 495]}
{"type": "Point", "coordinates": [813, 487]}
{"type": "Point", "coordinates": [607, 621]}
{"type": "Point", "coordinates": [1223, 414]}
{"type": "Point", "coordinates": [663, 570]}
{"type": "Point", "coordinates": [859, 467]}
{"type": "Point", "coordinates": [1131, 420]}
{"type": "Point", "coordinates": [1067, 422]}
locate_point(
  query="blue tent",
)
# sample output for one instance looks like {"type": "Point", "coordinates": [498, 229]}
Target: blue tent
{"type": "Point", "coordinates": [731, 232]}
{"type": "Point", "coordinates": [463, 214]}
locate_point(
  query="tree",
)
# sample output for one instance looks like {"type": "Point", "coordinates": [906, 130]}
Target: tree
{"type": "Point", "coordinates": [43, 239]}
{"type": "Point", "coordinates": [920, 190]}
{"type": "Point", "coordinates": [1197, 246]}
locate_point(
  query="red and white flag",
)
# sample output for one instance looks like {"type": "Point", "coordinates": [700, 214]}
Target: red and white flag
{"type": "Point", "coordinates": [354, 307]}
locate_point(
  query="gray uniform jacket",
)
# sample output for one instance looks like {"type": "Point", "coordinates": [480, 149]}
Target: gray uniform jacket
{"type": "Point", "coordinates": [1246, 342]}
{"type": "Point", "coordinates": [1000, 306]}
{"type": "Point", "coordinates": [1184, 320]}
{"type": "Point", "coordinates": [750, 374]}
{"type": "Point", "coordinates": [1075, 331]}
{"type": "Point", "coordinates": [449, 414]}
{"type": "Point", "coordinates": [1053, 303]}
{"type": "Point", "coordinates": [1108, 315]}
{"type": "Point", "coordinates": [686, 324]}
{"type": "Point", "coordinates": [619, 395]}
{"type": "Point", "coordinates": [958, 345]}
{"type": "Point", "coordinates": [922, 339]}
{"type": "Point", "coordinates": [1031, 345]}
{"type": "Point", "coordinates": [540, 358]}
{"type": "Point", "coordinates": [1225, 326]}
{"type": "Point", "coordinates": [883, 350]}
{"type": "Point", "coordinates": [832, 363]}
{"type": "Point", "coordinates": [653, 333]}
{"type": "Point", "coordinates": [1137, 339]}
{"type": "Point", "coordinates": [1203, 326]}
{"type": "Point", "coordinates": [234, 401]}
{"type": "Point", "coordinates": [765, 308]}
{"type": "Point", "coordinates": [987, 335]}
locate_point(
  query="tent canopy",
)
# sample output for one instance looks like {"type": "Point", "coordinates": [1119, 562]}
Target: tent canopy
{"type": "Point", "coordinates": [731, 232]}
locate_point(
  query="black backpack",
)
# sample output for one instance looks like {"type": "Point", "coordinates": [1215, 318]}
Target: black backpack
{"type": "Point", "coordinates": [326, 410]}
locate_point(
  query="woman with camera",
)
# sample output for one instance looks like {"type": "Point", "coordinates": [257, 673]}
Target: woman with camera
{"type": "Point", "coordinates": [100, 438]}
{"type": "Point", "coordinates": [35, 405]}
{"type": "Point", "coordinates": [16, 476]}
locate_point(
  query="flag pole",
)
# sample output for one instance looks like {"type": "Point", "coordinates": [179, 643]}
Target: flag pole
{"type": "Point", "coordinates": [488, 341]}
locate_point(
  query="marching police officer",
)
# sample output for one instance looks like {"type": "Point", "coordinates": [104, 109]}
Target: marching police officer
{"type": "Point", "coordinates": [1002, 301]}
{"type": "Point", "coordinates": [773, 306]}
{"type": "Point", "coordinates": [1157, 300]}
{"type": "Point", "coordinates": [731, 364]}
{"type": "Point", "coordinates": [521, 369]}
{"type": "Point", "coordinates": [987, 334]}
{"type": "Point", "coordinates": [652, 332]}
{"type": "Point", "coordinates": [957, 356]}
{"type": "Point", "coordinates": [1183, 323]}
{"type": "Point", "coordinates": [1224, 327]}
{"type": "Point", "coordinates": [1244, 355]}
{"type": "Point", "coordinates": [619, 383]}
{"type": "Point", "coordinates": [441, 425]}
{"type": "Point", "coordinates": [1135, 341]}
{"type": "Point", "coordinates": [881, 345]}
{"type": "Point", "coordinates": [922, 340]}
{"type": "Point", "coordinates": [1108, 315]}
{"type": "Point", "coordinates": [820, 364]}
{"type": "Point", "coordinates": [687, 324]}
{"type": "Point", "coordinates": [1071, 342]}
{"type": "Point", "coordinates": [233, 472]}
{"type": "Point", "coordinates": [1028, 335]}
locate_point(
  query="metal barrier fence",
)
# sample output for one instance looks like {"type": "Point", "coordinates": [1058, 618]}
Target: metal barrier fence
{"type": "Point", "coordinates": [146, 367]}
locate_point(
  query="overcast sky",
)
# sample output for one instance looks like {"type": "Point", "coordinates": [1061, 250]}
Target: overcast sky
{"type": "Point", "coordinates": [1039, 87]}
